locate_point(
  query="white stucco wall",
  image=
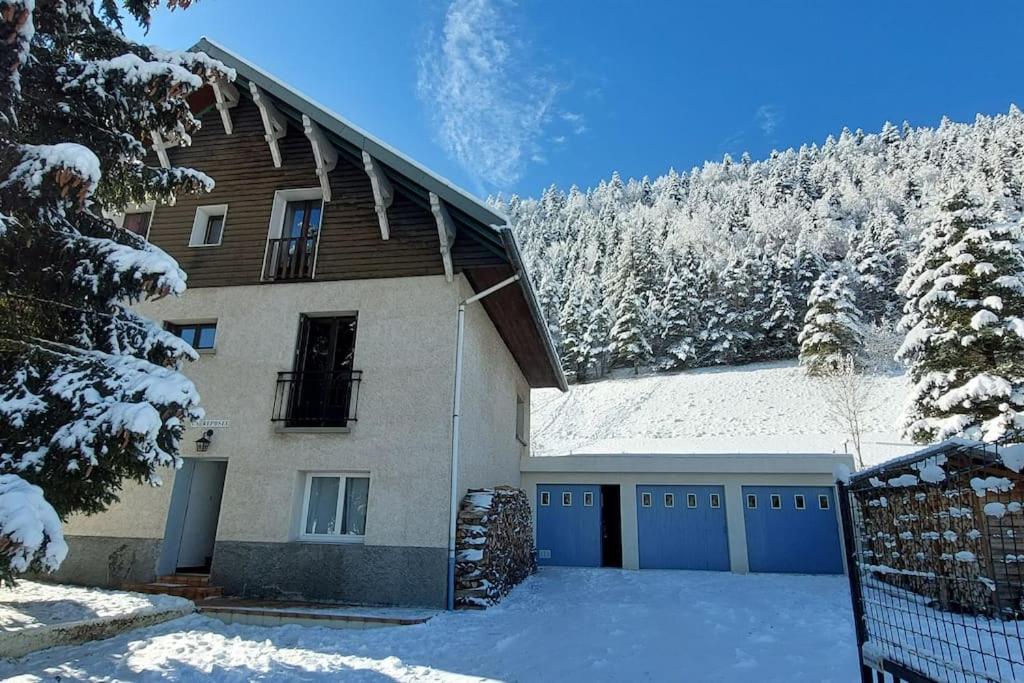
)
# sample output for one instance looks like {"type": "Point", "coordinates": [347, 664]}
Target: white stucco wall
{"type": "Point", "coordinates": [405, 346]}
{"type": "Point", "coordinates": [489, 451]}
{"type": "Point", "coordinates": [732, 472]}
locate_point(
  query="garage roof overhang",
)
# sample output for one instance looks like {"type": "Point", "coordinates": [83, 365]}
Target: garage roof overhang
{"type": "Point", "coordinates": [691, 463]}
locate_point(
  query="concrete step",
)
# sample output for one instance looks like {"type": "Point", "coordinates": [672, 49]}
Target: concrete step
{"type": "Point", "coordinates": [185, 579]}
{"type": "Point", "coordinates": [194, 593]}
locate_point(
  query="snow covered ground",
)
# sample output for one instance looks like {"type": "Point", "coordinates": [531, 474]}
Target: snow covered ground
{"type": "Point", "coordinates": [756, 408]}
{"type": "Point", "coordinates": [36, 605]}
{"type": "Point", "coordinates": [562, 624]}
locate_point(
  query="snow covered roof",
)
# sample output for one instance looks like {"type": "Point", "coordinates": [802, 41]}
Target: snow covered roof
{"type": "Point", "coordinates": [765, 408]}
{"type": "Point", "coordinates": [1011, 456]}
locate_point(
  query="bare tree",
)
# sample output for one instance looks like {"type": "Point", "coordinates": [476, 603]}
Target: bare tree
{"type": "Point", "coordinates": [848, 399]}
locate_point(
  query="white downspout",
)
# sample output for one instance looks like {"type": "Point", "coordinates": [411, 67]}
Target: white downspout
{"type": "Point", "coordinates": [453, 510]}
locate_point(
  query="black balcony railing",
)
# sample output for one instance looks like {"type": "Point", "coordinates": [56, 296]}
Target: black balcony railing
{"type": "Point", "coordinates": [290, 258]}
{"type": "Point", "coordinates": [316, 399]}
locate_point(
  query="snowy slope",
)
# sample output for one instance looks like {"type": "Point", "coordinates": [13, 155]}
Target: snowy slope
{"type": "Point", "coordinates": [757, 408]}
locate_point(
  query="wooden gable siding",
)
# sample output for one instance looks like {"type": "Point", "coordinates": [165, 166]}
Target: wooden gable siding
{"type": "Point", "coordinates": [246, 179]}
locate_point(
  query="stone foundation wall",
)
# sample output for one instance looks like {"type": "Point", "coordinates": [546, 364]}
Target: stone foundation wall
{"type": "Point", "coordinates": [494, 545]}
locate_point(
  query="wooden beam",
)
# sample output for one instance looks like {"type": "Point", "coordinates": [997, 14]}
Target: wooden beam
{"type": "Point", "coordinates": [445, 233]}
{"type": "Point", "coordinates": [226, 95]}
{"type": "Point", "coordinates": [275, 125]}
{"type": "Point", "coordinates": [324, 154]}
{"type": "Point", "coordinates": [383, 193]}
{"type": "Point", "coordinates": [160, 146]}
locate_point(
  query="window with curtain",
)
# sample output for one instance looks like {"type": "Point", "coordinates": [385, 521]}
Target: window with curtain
{"type": "Point", "coordinates": [335, 506]}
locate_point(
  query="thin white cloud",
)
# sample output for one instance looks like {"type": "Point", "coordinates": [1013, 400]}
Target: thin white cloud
{"type": "Point", "coordinates": [489, 104]}
{"type": "Point", "coordinates": [576, 121]}
{"type": "Point", "coordinates": [768, 117]}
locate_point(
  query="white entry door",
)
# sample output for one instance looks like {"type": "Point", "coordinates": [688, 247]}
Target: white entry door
{"type": "Point", "coordinates": [202, 508]}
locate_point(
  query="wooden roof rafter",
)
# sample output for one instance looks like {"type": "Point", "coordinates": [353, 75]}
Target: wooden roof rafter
{"type": "Point", "coordinates": [275, 126]}
{"type": "Point", "coordinates": [225, 96]}
{"type": "Point", "coordinates": [324, 155]}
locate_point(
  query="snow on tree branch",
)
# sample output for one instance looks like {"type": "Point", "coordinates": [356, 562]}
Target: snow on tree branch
{"type": "Point", "coordinates": [90, 392]}
{"type": "Point", "coordinates": [30, 531]}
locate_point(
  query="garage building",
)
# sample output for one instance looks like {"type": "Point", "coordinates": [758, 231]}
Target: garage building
{"type": "Point", "coordinates": [718, 512]}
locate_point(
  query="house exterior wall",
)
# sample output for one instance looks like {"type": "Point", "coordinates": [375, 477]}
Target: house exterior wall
{"type": "Point", "coordinates": [350, 245]}
{"type": "Point", "coordinates": [730, 472]}
{"type": "Point", "coordinates": [490, 453]}
{"type": "Point", "coordinates": [405, 347]}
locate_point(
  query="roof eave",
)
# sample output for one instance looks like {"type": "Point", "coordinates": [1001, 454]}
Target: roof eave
{"type": "Point", "coordinates": [512, 249]}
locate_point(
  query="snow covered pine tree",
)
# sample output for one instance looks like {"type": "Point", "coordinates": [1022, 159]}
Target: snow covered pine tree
{"type": "Point", "coordinates": [90, 394]}
{"type": "Point", "coordinates": [832, 326]}
{"type": "Point", "coordinates": [965, 326]}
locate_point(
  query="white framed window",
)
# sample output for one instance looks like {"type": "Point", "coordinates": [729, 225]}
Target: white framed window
{"type": "Point", "coordinates": [520, 419]}
{"type": "Point", "coordinates": [776, 501]}
{"type": "Point", "coordinates": [135, 218]}
{"type": "Point", "coordinates": [752, 501]}
{"type": "Point", "coordinates": [208, 226]}
{"type": "Point", "coordinates": [201, 336]}
{"type": "Point", "coordinates": [293, 234]}
{"type": "Point", "coordinates": [799, 502]}
{"type": "Point", "coordinates": [823, 503]}
{"type": "Point", "coordinates": [691, 500]}
{"type": "Point", "coordinates": [545, 498]}
{"type": "Point", "coordinates": [715, 500]}
{"type": "Point", "coordinates": [566, 499]}
{"type": "Point", "coordinates": [334, 507]}
{"type": "Point", "coordinates": [588, 499]}
{"type": "Point", "coordinates": [646, 499]}
{"type": "Point", "coordinates": [670, 500]}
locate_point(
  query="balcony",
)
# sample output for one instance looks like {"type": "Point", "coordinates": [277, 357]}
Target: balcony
{"type": "Point", "coordinates": [290, 258]}
{"type": "Point", "coordinates": [316, 400]}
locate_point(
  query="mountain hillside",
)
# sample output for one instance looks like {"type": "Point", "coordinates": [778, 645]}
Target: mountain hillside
{"type": "Point", "coordinates": [715, 266]}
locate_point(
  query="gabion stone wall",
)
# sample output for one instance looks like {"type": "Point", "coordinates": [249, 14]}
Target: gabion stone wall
{"type": "Point", "coordinates": [494, 545]}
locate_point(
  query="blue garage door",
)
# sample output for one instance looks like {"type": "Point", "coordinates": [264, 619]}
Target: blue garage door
{"type": "Point", "coordinates": [792, 529]}
{"type": "Point", "coordinates": [569, 525]}
{"type": "Point", "coordinates": [682, 527]}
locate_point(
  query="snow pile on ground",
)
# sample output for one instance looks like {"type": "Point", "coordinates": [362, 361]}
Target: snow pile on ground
{"type": "Point", "coordinates": [756, 408]}
{"type": "Point", "coordinates": [559, 625]}
{"type": "Point", "coordinates": [35, 605]}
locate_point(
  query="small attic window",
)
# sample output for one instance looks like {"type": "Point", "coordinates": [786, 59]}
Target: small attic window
{"type": "Point", "coordinates": [208, 226]}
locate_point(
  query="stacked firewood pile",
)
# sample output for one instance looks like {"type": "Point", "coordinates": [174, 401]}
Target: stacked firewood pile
{"type": "Point", "coordinates": [956, 540]}
{"type": "Point", "coordinates": [494, 545]}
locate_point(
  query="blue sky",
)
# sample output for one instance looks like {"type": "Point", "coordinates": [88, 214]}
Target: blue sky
{"type": "Point", "coordinates": [513, 96]}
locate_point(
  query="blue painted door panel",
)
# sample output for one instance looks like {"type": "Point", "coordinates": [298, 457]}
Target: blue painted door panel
{"type": "Point", "coordinates": [569, 530]}
{"type": "Point", "coordinates": [788, 539]}
{"type": "Point", "coordinates": [674, 535]}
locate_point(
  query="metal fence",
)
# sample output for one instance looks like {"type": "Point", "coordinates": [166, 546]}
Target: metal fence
{"type": "Point", "coordinates": [935, 552]}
